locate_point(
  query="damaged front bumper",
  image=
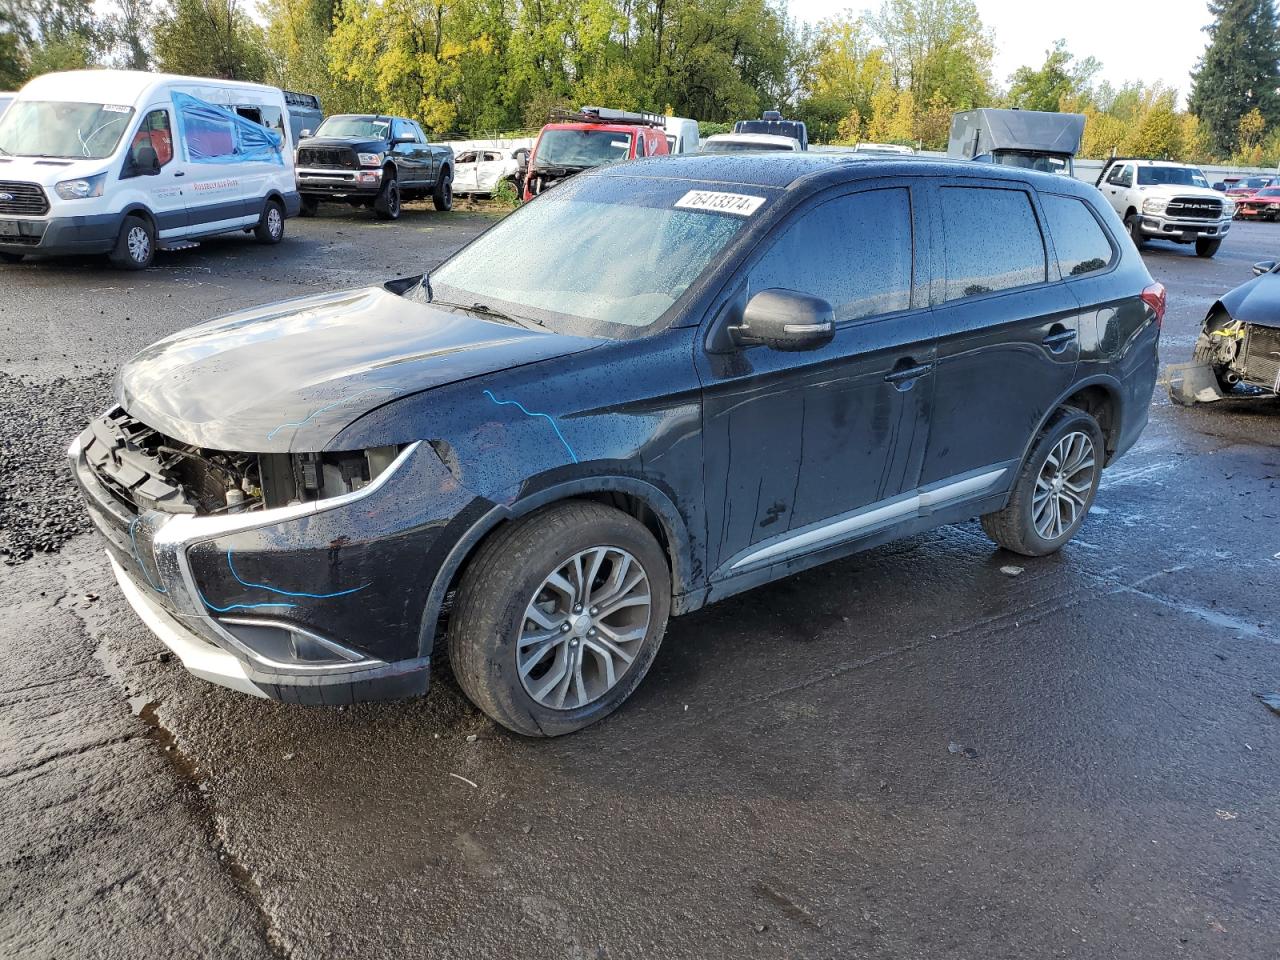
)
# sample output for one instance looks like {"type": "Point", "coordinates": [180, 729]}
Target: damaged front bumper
{"type": "Point", "coordinates": [317, 602]}
{"type": "Point", "coordinates": [1236, 360]}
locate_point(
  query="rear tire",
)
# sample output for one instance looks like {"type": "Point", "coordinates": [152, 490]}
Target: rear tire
{"type": "Point", "coordinates": [442, 195]}
{"type": "Point", "coordinates": [1133, 223]}
{"type": "Point", "coordinates": [310, 207]}
{"type": "Point", "coordinates": [526, 643]}
{"type": "Point", "coordinates": [387, 206]}
{"type": "Point", "coordinates": [1207, 248]}
{"type": "Point", "coordinates": [270, 228]}
{"type": "Point", "coordinates": [136, 246]}
{"type": "Point", "coordinates": [1055, 487]}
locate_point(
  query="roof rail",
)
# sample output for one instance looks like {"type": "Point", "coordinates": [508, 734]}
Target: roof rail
{"type": "Point", "coordinates": [606, 115]}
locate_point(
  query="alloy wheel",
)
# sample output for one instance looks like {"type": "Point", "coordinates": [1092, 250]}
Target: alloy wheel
{"type": "Point", "coordinates": [275, 222]}
{"type": "Point", "coordinates": [1062, 489]}
{"type": "Point", "coordinates": [139, 243]}
{"type": "Point", "coordinates": [583, 628]}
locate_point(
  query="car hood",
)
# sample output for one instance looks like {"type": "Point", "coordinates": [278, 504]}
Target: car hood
{"type": "Point", "coordinates": [1173, 190]}
{"type": "Point", "coordinates": [1256, 302]}
{"type": "Point", "coordinates": [290, 376]}
{"type": "Point", "coordinates": [48, 171]}
{"type": "Point", "coordinates": [371, 144]}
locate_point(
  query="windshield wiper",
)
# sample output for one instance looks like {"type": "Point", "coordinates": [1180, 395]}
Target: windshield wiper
{"type": "Point", "coordinates": [487, 311]}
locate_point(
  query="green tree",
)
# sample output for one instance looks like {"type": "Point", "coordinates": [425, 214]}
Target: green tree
{"type": "Point", "coordinates": [210, 38]}
{"type": "Point", "coordinates": [1240, 69]}
{"type": "Point", "coordinates": [937, 47]}
{"type": "Point", "coordinates": [128, 31]}
{"type": "Point", "coordinates": [297, 37]}
{"type": "Point", "coordinates": [1057, 81]}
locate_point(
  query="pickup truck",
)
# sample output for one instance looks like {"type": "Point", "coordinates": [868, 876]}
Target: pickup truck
{"type": "Point", "coordinates": [375, 161]}
{"type": "Point", "coordinates": [1160, 200]}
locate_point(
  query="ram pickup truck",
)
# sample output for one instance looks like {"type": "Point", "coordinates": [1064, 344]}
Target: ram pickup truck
{"type": "Point", "coordinates": [373, 161]}
{"type": "Point", "coordinates": [1160, 200]}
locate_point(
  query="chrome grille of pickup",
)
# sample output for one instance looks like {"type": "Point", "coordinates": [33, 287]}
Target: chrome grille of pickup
{"type": "Point", "coordinates": [1194, 208]}
{"type": "Point", "coordinates": [1262, 357]}
{"type": "Point", "coordinates": [22, 199]}
{"type": "Point", "coordinates": [333, 158]}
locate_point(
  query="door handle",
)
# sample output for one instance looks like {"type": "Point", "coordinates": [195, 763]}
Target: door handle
{"type": "Point", "coordinates": [179, 173]}
{"type": "Point", "coordinates": [907, 374]}
{"type": "Point", "coordinates": [1057, 342]}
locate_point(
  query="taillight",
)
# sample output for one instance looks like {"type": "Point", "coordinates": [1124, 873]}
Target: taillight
{"type": "Point", "coordinates": [1156, 298]}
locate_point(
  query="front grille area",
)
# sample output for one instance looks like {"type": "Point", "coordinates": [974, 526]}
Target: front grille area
{"type": "Point", "coordinates": [1262, 357]}
{"type": "Point", "coordinates": [1194, 208]}
{"type": "Point", "coordinates": [22, 199]}
{"type": "Point", "coordinates": [332, 158]}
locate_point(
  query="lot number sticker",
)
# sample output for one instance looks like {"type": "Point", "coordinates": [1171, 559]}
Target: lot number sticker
{"type": "Point", "coordinates": [739, 204]}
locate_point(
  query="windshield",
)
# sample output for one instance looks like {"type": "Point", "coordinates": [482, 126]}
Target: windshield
{"type": "Point", "coordinates": [1045, 163]}
{"type": "Point", "coordinates": [366, 128]}
{"type": "Point", "coordinates": [1270, 192]}
{"type": "Point", "coordinates": [581, 148]}
{"type": "Point", "coordinates": [743, 146]}
{"type": "Point", "coordinates": [598, 257]}
{"type": "Point", "coordinates": [56, 128]}
{"type": "Point", "coordinates": [1252, 183]}
{"type": "Point", "coordinates": [1173, 176]}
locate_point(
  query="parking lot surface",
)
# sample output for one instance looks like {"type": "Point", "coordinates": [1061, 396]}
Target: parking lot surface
{"type": "Point", "coordinates": [932, 749]}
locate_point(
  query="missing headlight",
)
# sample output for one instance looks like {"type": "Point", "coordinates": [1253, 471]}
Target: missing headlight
{"type": "Point", "coordinates": [306, 477]}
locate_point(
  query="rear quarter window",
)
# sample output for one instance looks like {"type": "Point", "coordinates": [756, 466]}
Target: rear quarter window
{"type": "Point", "coordinates": [1081, 243]}
{"type": "Point", "coordinates": [992, 241]}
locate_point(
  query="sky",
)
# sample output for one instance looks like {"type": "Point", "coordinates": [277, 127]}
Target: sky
{"type": "Point", "coordinates": [1146, 40]}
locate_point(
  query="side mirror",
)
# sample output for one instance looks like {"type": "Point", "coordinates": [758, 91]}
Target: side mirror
{"type": "Point", "coordinates": [1220, 187]}
{"type": "Point", "coordinates": [1263, 266]}
{"type": "Point", "coordinates": [786, 320]}
{"type": "Point", "coordinates": [303, 134]}
{"type": "Point", "coordinates": [400, 141]}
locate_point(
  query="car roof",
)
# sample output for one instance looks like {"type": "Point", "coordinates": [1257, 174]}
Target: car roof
{"type": "Point", "coordinates": [131, 86]}
{"type": "Point", "coordinates": [784, 170]}
{"type": "Point", "coordinates": [752, 138]}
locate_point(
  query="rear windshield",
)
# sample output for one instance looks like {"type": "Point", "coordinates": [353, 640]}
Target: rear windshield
{"type": "Point", "coordinates": [580, 149]}
{"type": "Point", "coordinates": [57, 128]}
{"type": "Point", "coordinates": [598, 256]}
{"type": "Point", "coordinates": [743, 146]}
{"type": "Point", "coordinates": [368, 128]}
{"type": "Point", "coordinates": [1173, 176]}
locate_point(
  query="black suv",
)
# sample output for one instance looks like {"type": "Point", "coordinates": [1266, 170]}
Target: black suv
{"type": "Point", "coordinates": [372, 161]}
{"type": "Point", "coordinates": [660, 384]}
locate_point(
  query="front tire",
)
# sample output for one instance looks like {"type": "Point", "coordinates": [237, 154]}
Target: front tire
{"type": "Point", "coordinates": [136, 246]}
{"type": "Point", "coordinates": [558, 618]}
{"type": "Point", "coordinates": [387, 206]}
{"type": "Point", "coordinates": [270, 228]}
{"type": "Point", "coordinates": [1207, 248]}
{"type": "Point", "coordinates": [1055, 487]}
{"type": "Point", "coordinates": [1133, 223]}
{"type": "Point", "coordinates": [442, 195]}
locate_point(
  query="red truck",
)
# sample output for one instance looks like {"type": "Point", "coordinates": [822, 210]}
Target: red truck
{"type": "Point", "coordinates": [591, 137]}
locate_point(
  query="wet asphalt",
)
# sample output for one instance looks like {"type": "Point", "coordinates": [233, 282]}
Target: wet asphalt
{"type": "Point", "coordinates": [911, 753]}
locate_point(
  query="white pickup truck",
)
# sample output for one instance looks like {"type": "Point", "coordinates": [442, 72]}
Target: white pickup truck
{"type": "Point", "coordinates": [1160, 200]}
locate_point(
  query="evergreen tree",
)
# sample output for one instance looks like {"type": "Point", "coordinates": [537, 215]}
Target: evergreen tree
{"type": "Point", "coordinates": [1240, 70]}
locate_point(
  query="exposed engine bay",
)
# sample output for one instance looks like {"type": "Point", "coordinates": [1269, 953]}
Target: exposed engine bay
{"type": "Point", "coordinates": [1232, 359]}
{"type": "Point", "coordinates": [146, 470]}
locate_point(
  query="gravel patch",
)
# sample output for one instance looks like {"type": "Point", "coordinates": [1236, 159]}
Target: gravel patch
{"type": "Point", "coordinates": [39, 507]}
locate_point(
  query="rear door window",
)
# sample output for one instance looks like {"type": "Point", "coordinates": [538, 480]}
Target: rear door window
{"type": "Point", "coordinates": [855, 252]}
{"type": "Point", "coordinates": [991, 241]}
{"type": "Point", "coordinates": [1081, 244]}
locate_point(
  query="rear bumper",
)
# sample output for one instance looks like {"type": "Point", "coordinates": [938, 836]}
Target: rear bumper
{"type": "Point", "coordinates": [65, 235]}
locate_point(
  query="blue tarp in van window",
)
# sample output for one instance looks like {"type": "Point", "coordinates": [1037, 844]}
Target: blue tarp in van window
{"type": "Point", "coordinates": [214, 134]}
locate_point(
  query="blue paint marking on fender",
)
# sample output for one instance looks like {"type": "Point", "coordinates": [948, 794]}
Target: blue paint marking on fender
{"type": "Point", "coordinates": [133, 538]}
{"type": "Point", "coordinates": [529, 413]}
{"type": "Point", "coordinates": [240, 606]}
{"type": "Point", "coordinates": [328, 406]}
{"type": "Point", "coordinates": [287, 593]}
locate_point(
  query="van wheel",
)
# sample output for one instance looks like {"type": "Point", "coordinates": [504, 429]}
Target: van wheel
{"type": "Point", "coordinates": [1207, 248]}
{"type": "Point", "coordinates": [1133, 223]}
{"type": "Point", "coordinates": [387, 206]}
{"type": "Point", "coordinates": [1054, 489]}
{"type": "Point", "coordinates": [270, 228]}
{"type": "Point", "coordinates": [558, 618]}
{"type": "Point", "coordinates": [136, 247]}
{"type": "Point", "coordinates": [310, 207]}
{"type": "Point", "coordinates": [442, 195]}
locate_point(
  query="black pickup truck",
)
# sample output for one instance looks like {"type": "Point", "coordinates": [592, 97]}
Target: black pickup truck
{"type": "Point", "coordinates": [372, 161]}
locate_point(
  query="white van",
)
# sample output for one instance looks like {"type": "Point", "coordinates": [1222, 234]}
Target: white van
{"type": "Point", "coordinates": [682, 135]}
{"type": "Point", "coordinates": [125, 163]}
{"type": "Point", "coordinates": [5, 100]}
